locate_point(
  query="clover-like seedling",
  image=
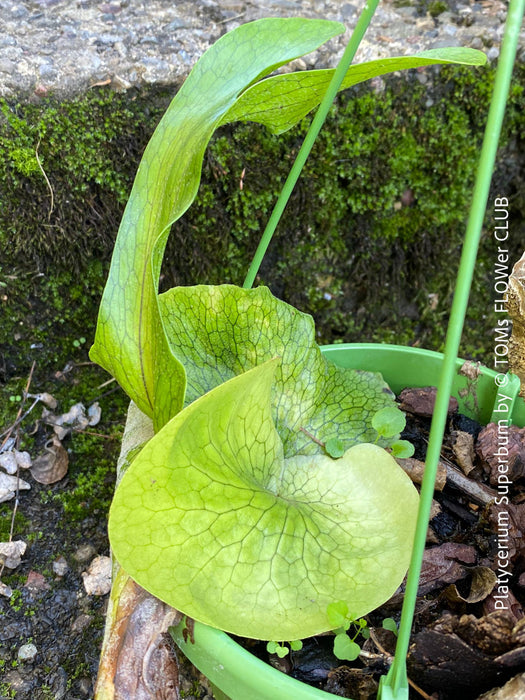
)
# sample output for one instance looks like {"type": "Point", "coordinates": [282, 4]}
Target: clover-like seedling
{"type": "Point", "coordinates": [280, 648]}
{"type": "Point", "coordinates": [345, 646]}
{"type": "Point", "coordinates": [389, 422]}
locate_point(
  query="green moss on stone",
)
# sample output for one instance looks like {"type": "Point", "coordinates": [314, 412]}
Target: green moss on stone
{"type": "Point", "coordinates": [373, 229]}
{"type": "Point", "coordinates": [436, 7]}
{"type": "Point", "coordinates": [89, 149]}
{"type": "Point", "coordinates": [6, 518]}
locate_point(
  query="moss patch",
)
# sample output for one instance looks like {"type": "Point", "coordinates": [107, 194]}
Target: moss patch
{"type": "Point", "coordinates": [67, 169]}
{"type": "Point", "coordinates": [369, 243]}
{"type": "Point", "coordinates": [436, 7]}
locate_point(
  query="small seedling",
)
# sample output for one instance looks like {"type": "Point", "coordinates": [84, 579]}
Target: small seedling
{"type": "Point", "coordinates": [402, 449]}
{"type": "Point", "coordinates": [281, 649]}
{"type": "Point", "coordinates": [389, 422]}
{"type": "Point", "coordinates": [346, 630]}
{"type": "Point", "coordinates": [390, 624]}
{"type": "Point", "coordinates": [334, 448]}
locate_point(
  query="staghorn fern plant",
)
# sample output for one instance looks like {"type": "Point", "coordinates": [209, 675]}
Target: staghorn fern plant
{"type": "Point", "coordinates": [234, 513]}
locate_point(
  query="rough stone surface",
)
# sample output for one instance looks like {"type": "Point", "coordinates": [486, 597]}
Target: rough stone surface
{"type": "Point", "coordinates": [27, 652]}
{"type": "Point", "coordinates": [65, 47]}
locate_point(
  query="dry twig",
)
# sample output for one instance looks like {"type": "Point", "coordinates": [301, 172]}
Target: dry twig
{"type": "Point", "coordinates": [52, 204]}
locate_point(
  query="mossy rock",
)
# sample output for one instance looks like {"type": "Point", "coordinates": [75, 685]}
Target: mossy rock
{"type": "Point", "coordinates": [436, 7]}
{"type": "Point", "coordinates": [369, 243]}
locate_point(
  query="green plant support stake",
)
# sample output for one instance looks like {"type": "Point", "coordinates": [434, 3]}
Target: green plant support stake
{"type": "Point", "coordinates": [394, 686]}
{"type": "Point", "coordinates": [315, 127]}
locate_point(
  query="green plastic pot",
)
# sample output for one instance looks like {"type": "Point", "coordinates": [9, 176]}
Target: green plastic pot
{"type": "Point", "coordinates": [233, 671]}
